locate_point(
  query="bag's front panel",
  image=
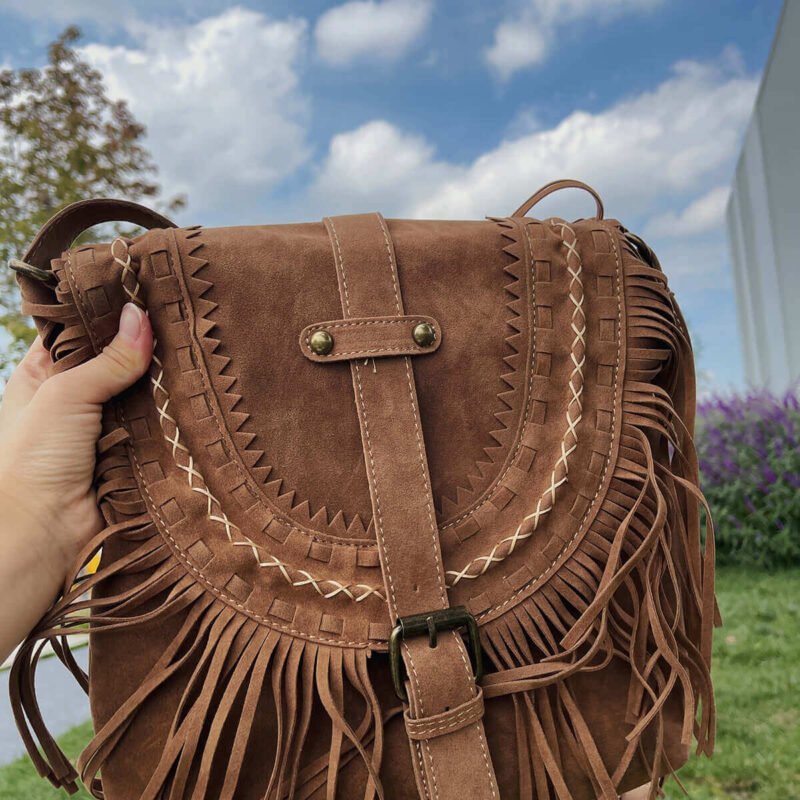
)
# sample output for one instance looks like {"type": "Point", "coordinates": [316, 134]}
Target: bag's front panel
{"type": "Point", "coordinates": [218, 486]}
{"type": "Point", "coordinates": [241, 565]}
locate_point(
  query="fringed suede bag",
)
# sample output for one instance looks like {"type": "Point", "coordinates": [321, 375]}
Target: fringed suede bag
{"type": "Point", "coordinates": [404, 509]}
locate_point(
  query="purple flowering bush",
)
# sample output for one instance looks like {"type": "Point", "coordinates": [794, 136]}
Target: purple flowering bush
{"type": "Point", "coordinates": [749, 457]}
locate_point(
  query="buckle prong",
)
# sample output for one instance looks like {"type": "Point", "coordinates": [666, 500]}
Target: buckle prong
{"type": "Point", "coordinates": [430, 623]}
{"type": "Point", "coordinates": [433, 634]}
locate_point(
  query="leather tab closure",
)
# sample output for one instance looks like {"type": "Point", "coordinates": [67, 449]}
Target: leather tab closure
{"type": "Point", "coordinates": [371, 337]}
{"type": "Point", "coordinates": [424, 728]}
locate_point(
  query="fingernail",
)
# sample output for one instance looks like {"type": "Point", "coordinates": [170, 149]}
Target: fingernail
{"type": "Point", "coordinates": [130, 322]}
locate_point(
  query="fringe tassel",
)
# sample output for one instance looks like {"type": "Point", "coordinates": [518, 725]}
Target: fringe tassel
{"type": "Point", "coordinates": [57, 318]}
{"type": "Point", "coordinates": [639, 590]}
{"type": "Point", "coordinates": [231, 671]}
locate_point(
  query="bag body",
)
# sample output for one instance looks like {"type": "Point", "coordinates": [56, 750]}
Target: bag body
{"type": "Point", "coordinates": [361, 432]}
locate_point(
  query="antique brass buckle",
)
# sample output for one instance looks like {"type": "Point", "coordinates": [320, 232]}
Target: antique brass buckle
{"type": "Point", "coordinates": [37, 273]}
{"type": "Point", "coordinates": [430, 623]}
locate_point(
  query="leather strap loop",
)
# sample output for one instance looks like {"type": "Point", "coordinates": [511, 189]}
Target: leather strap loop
{"type": "Point", "coordinates": [556, 186]}
{"type": "Point", "coordinates": [64, 228]}
{"type": "Point", "coordinates": [447, 722]}
{"type": "Point", "coordinates": [370, 337]}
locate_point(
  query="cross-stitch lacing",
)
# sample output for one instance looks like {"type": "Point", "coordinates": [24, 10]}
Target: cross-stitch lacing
{"type": "Point", "coordinates": [184, 461]}
{"type": "Point", "coordinates": [569, 442]}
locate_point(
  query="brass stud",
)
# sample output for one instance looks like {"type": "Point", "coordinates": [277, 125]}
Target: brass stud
{"type": "Point", "coordinates": [424, 334]}
{"type": "Point", "coordinates": [321, 343]}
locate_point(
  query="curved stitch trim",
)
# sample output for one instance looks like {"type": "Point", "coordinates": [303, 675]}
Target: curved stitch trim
{"type": "Point", "coordinates": [580, 529]}
{"type": "Point", "coordinates": [546, 503]}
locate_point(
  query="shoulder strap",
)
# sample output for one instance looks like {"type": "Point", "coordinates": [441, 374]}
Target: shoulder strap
{"type": "Point", "coordinates": [445, 708]}
{"type": "Point", "coordinates": [62, 229]}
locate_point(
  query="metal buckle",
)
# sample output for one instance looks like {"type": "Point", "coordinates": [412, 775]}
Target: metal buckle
{"type": "Point", "coordinates": [430, 623]}
{"type": "Point", "coordinates": [37, 273]}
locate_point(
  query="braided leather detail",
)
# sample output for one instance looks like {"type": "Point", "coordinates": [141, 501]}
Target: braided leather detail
{"type": "Point", "coordinates": [569, 442]}
{"type": "Point", "coordinates": [325, 587]}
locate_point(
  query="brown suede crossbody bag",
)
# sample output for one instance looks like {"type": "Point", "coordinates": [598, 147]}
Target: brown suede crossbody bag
{"type": "Point", "coordinates": [403, 509]}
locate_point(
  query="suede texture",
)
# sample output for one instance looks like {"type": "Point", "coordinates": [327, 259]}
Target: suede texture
{"type": "Point", "coordinates": [271, 512]}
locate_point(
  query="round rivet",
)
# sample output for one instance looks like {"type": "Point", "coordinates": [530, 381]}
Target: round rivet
{"type": "Point", "coordinates": [321, 343]}
{"type": "Point", "coordinates": [424, 334]}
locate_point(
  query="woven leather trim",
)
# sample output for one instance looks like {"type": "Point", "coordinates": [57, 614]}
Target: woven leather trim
{"type": "Point", "coordinates": [569, 442]}
{"type": "Point", "coordinates": [327, 588]}
{"type": "Point", "coordinates": [328, 525]}
{"type": "Point", "coordinates": [539, 569]}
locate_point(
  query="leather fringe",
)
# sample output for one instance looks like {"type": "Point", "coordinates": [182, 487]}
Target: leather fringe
{"type": "Point", "coordinates": [229, 668]}
{"type": "Point", "coordinates": [639, 589]}
{"type": "Point", "coordinates": [58, 318]}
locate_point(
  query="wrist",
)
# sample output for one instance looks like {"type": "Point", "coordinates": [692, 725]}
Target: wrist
{"type": "Point", "coordinates": [34, 530]}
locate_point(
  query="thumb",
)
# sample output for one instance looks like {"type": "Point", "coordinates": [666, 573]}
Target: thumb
{"type": "Point", "coordinates": [123, 361]}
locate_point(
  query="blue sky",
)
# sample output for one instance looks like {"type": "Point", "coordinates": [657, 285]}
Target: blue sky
{"type": "Point", "coordinates": [265, 112]}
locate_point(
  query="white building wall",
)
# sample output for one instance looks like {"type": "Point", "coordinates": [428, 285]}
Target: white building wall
{"type": "Point", "coordinates": [764, 219]}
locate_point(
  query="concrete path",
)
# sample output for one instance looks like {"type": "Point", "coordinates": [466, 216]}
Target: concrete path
{"type": "Point", "coordinates": [62, 701]}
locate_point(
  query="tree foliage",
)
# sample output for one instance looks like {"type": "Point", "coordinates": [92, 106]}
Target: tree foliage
{"type": "Point", "coordinates": [62, 139]}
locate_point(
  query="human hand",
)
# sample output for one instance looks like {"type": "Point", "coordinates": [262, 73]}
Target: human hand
{"type": "Point", "coordinates": [49, 426]}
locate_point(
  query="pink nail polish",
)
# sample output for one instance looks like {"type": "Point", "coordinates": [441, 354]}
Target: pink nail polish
{"type": "Point", "coordinates": [130, 322]}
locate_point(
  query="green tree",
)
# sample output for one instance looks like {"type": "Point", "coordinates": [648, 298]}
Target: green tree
{"type": "Point", "coordinates": [61, 139]}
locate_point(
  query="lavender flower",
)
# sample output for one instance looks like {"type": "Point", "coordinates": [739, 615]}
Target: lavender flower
{"type": "Point", "coordinates": [749, 455]}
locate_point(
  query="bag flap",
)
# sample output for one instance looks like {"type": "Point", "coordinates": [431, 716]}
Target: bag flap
{"type": "Point", "coordinates": [520, 403]}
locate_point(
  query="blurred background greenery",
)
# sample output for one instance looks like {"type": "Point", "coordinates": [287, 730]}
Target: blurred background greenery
{"type": "Point", "coordinates": [63, 139]}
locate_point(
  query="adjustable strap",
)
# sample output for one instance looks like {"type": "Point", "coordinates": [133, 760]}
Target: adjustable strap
{"type": "Point", "coordinates": [444, 714]}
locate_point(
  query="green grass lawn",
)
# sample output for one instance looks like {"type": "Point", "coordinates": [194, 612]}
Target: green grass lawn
{"type": "Point", "coordinates": [757, 682]}
{"type": "Point", "coordinates": [757, 679]}
{"type": "Point", "coordinates": [20, 781]}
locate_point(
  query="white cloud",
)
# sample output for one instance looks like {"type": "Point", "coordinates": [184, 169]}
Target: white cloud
{"type": "Point", "coordinates": [378, 166]}
{"type": "Point", "coordinates": [527, 37]}
{"type": "Point", "coordinates": [370, 30]}
{"type": "Point", "coordinates": [642, 154]}
{"type": "Point", "coordinates": [703, 214]}
{"type": "Point", "coordinates": [220, 99]}
{"type": "Point", "coordinates": [648, 155]}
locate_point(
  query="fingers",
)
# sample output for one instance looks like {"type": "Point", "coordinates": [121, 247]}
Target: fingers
{"type": "Point", "coordinates": [121, 363]}
{"type": "Point", "coordinates": [28, 376]}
